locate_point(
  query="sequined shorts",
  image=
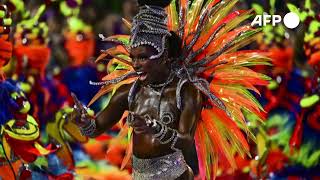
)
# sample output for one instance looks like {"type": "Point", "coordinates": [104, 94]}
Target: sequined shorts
{"type": "Point", "coordinates": [168, 167]}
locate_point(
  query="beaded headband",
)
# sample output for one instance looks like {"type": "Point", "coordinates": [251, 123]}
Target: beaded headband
{"type": "Point", "coordinates": [150, 28]}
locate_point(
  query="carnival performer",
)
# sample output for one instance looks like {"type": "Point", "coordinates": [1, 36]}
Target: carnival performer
{"type": "Point", "coordinates": [184, 81]}
{"type": "Point", "coordinates": [79, 45]}
{"type": "Point", "coordinates": [32, 56]}
{"type": "Point", "coordinates": [19, 131]}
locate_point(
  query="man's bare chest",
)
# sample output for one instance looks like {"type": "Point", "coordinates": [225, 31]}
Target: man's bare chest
{"type": "Point", "coordinates": [152, 103]}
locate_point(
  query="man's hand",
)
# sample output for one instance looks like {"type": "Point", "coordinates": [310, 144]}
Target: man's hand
{"type": "Point", "coordinates": [143, 124]}
{"type": "Point", "coordinates": [80, 114]}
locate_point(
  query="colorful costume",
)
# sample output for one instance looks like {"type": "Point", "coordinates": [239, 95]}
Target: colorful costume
{"type": "Point", "coordinates": [286, 143]}
{"type": "Point", "coordinates": [32, 57]}
{"type": "Point", "coordinates": [19, 131]}
{"type": "Point", "coordinates": [47, 95]}
{"type": "Point", "coordinates": [311, 47]}
{"type": "Point", "coordinates": [5, 45]}
{"type": "Point", "coordinates": [209, 61]}
{"type": "Point", "coordinates": [80, 46]}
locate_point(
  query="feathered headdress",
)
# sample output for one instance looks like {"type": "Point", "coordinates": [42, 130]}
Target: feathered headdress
{"type": "Point", "coordinates": [149, 27]}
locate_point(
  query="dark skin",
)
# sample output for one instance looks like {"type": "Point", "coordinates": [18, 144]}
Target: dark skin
{"type": "Point", "coordinates": [146, 101]}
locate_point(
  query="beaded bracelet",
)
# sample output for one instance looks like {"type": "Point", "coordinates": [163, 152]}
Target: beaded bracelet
{"type": "Point", "coordinates": [89, 129]}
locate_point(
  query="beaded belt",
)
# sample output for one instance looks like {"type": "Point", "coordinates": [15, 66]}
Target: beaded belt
{"type": "Point", "coordinates": [168, 167]}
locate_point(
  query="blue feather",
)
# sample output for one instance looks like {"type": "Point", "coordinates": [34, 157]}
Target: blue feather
{"type": "Point", "coordinates": [6, 102]}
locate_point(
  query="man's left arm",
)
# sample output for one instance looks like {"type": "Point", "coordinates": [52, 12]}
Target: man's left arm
{"type": "Point", "coordinates": [192, 105]}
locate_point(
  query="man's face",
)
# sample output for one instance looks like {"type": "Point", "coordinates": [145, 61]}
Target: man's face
{"type": "Point", "coordinates": [150, 71]}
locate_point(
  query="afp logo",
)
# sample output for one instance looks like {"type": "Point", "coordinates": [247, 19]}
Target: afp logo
{"type": "Point", "coordinates": [290, 20]}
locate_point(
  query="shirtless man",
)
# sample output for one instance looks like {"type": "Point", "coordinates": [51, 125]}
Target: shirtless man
{"type": "Point", "coordinates": [162, 132]}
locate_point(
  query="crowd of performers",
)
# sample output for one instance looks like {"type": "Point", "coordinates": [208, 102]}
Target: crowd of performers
{"type": "Point", "coordinates": [260, 115]}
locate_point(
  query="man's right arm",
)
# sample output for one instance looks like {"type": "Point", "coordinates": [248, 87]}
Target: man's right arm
{"type": "Point", "coordinates": [109, 116]}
